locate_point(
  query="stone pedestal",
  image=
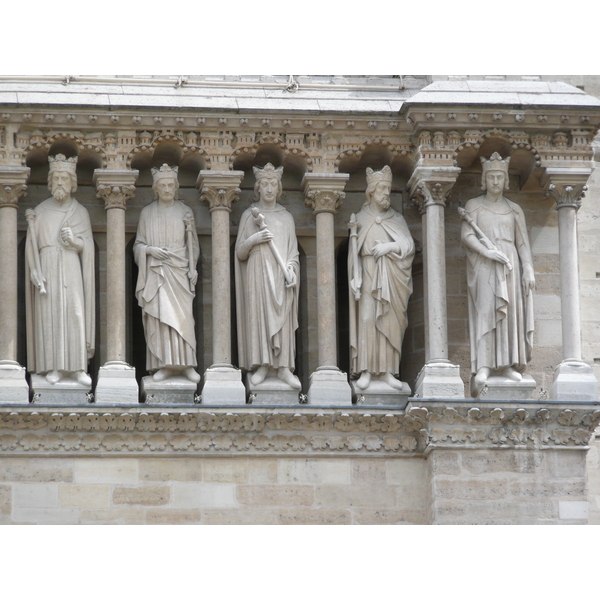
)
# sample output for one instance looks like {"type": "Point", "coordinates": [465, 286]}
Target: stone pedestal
{"type": "Point", "coordinates": [66, 391]}
{"type": "Point", "coordinates": [174, 390]}
{"type": "Point", "coordinates": [271, 391]}
{"type": "Point", "coordinates": [223, 386]}
{"type": "Point", "coordinates": [329, 386]}
{"type": "Point", "coordinates": [380, 393]}
{"type": "Point", "coordinates": [574, 380]}
{"type": "Point", "coordinates": [440, 379]}
{"type": "Point", "coordinates": [502, 388]}
{"type": "Point", "coordinates": [13, 386]}
{"type": "Point", "coordinates": [116, 384]}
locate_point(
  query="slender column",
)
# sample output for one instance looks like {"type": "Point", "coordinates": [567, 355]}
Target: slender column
{"type": "Point", "coordinates": [324, 194]}
{"type": "Point", "coordinates": [429, 188]}
{"type": "Point", "coordinates": [223, 382]}
{"type": "Point", "coordinates": [116, 379]}
{"type": "Point", "coordinates": [13, 386]}
{"type": "Point", "coordinates": [573, 378]}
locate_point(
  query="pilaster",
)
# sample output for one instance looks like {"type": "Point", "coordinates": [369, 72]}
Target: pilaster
{"type": "Point", "coordinates": [573, 378]}
{"type": "Point", "coordinates": [429, 187]}
{"type": "Point", "coordinates": [222, 381]}
{"type": "Point", "coordinates": [116, 379]}
{"type": "Point", "coordinates": [324, 193]}
{"type": "Point", "coordinates": [13, 185]}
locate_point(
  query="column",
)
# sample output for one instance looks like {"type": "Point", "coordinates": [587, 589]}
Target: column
{"type": "Point", "coordinates": [116, 380]}
{"type": "Point", "coordinates": [429, 188]}
{"type": "Point", "coordinates": [222, 381]}
{"type": "Point", "coordinates": [324, 193]}
{"type": "Point", "coordinates": [13, 386]}
{"type": "Point", "coordinates": [574, 380]}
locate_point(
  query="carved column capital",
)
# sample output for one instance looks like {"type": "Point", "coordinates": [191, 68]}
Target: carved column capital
{"type": "Point", "coordinates": [429, 186]}
{"type": "Point", "coordinates": [13, 184]}
{"type": "Point", "coordinates": [566, 185]}
{"type": "Point", "coordinates": [324, 192]}
{"type": "Point", "coordinates": [219, 189]}
{"type": "Point", "coordinates": [115, 186]}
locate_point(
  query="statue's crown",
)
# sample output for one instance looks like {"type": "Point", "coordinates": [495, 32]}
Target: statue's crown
{"type": "Point", "coordinates": [164, 171]}
{"type": "Point", "coordinates": [495, 163]}
{"type": "Point", "coordinates": [268, 171]}
{"type": "Point", "coordinates": [61, 163]}
{"type": "Point", "coordinates": [376, 176]}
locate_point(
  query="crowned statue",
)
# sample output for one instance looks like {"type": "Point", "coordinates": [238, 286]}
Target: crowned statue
{"type": "Point", "coordinates": [380, 260]}
{"type": "Point", "coordinates": [267, 282]}
{"type": "Point", "coordinates": [166, 251]}
{"type": "Point", "coordinates": [60, 292]}
{"type": "Point", "coordinates": [500, 280]}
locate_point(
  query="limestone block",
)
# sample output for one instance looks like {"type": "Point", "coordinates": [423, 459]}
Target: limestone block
{"type": "Point", "coordinates": [572, 510]}
{"type": "Point", "coordinates": [41, 470]}
{"type": "Point", "coordinates": [276, 495]}
{"type": "Point", "coordinates": [329, 388]}
{"type": "Point", "coordinates": [309, 516]}
{"type": "Point", "coordinates": [203, 495]}
{"type": "Point", "coordinates": [501, 388]}
{"type": "Point", "coordinates": [84, 496]}
{"type": "Point", "coordinates": [407, 471]}
{"type": "Point", "coordinates": [45, 516]}
{"type": "Point", "coordinates": [313, 470]}
{"type": "Point", "coordinates": [380, 393]}
{"type": "Point", "coordinates": [224, 470]}
{"type": "Point", "coordinates": [30, 495]}
{"type": "Point", "coordinates": [440, 379]}
{"type": "Point", "coordinates": [112, 516]}
{"type": "Point", "coordinates": [171, 469]}
{"type": "Point", "coordinates": [272, 391]}
{"type": "Point", "coordinates": [174, 390]}
{"type": "Point", "coordinates": [106, 470]}
{"type": "Point", "coordinates": [147, 495]}
{"type": "Point", "coordinates": [339, 496]}
{"type": "Point", "coordinates": [574, 381]}
{"type": "Point", "coordinates": [389, 516]}
{"type": "Point", "coordinates": [368, 471]}
{"type": "Point", "coordinates": [65, 391]}
{"type": "Point", "coordinates": [223, 386]}
{"type": "Point", "coordinates": [116, 386]}
{"type": "Point", "coordinates": [13, 386]}
{"type": "Point", "coordinates": [168, 516]}
{"type": "Point", "coordinates": [239, 516]}
{"type": "Point", "coordinates": [262, 470]}
{"type": "Point", "coordinates": [5, 502]}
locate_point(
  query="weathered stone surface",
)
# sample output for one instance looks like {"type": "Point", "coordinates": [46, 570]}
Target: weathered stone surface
{"type": "Point", "coordinates": [106, 470]}
{"type": "Point", "coordinates": [167, 516]}
{"type": "Point", "coordinates": [280, 495]}
{"type": "Point", "coordinates": [147, 495]}
{"type": "Point", "coordinates": [170, 469]}
{"type": "Point", "coordinates": [239, 516]}
{"type": "Point", "coordinates": [84, 496]}
{"type": "Point", "coordinates": [203, 495]}
{"type": "Point", "coordinates": [390, 516]}
{"type": "Point", "coordinates": [307, 516]}
{"type": "Point", "coordinates": [371, 496]}
{"type": "Point", "coordinates": [28, 469]}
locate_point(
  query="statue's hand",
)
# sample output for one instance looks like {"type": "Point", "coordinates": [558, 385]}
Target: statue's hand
{"type": "Point", "coordinates": [68, 238]}
{"type": "Point", "coordinates": [355, 287]}
{"type": "Point", "coordinates": [382, 248]}
{"type": "Point", "coordinates": [38, 280]}
{"type": "Point", "coordinates": [260, 237]}
{"type": "Point", "coordinates": [157, 252]}
{"type": "Point", "coordinates": [528, 279]}
{"type": "Point", "coordinates": [291, 278]}
{"type": "Point", "coordinates": [193, 276]}
{"type": "Point", "coordinates": [497, 256]}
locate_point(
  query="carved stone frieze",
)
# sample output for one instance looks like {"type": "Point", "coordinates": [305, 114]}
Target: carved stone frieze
{"type": "Point", "coordinates": [416, 430]}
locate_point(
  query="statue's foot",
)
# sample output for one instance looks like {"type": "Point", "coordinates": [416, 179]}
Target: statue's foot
{"type": "Point", "coordinates": [512, 374]}
{"type": "Point", "coordinates": [482, 376]}
{"type": "Point", "coordinates": [288, 377]}
{"type": "Point", "coordinates": [392, 381]}
{"type": "Point", "coordinates": [83, 378]}
{"type": "Point", "coordinates": [192, 375]}
{"type": "Point", "coordinates": [162, 374]}
{"type": "Point", "coordinates": [259, 375]}
{"type": "Point", "coordinates": [364, 380]}
{"type": "Point", "coordinates": [53, 377]}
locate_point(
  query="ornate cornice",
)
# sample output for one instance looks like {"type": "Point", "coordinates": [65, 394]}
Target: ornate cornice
{"type": "Point", "coordinates": [324, 192]}
{"type": "Point", "coordinates": [220, 188]}
{"type": "Point", "coordinates": [115, 187]}
{"type": "Point", "coordinates": [13, 186]}
{"type": "Point", "coordinates": [422, 427]}
{"type": "Point", "coordinates": [430, 185]}
{"type": "Point", "coordinates": [566, 185]}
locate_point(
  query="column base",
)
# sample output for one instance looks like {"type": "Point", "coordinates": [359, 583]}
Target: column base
{"type": "Point", "coordinates": [13, 385]}
{"type": "Point", "coordinates": [173, 390]}
{"type": "Point", "coordinates": [380, 393]}
{"type": "Point", "coordinates": [272, 391]}
{"type": "Point", "coordinates": [66, 391]}
{"type": "Point", "coordinates": [116, 384]}
{"type": "Point", "coordinates": [503, 388]}
{"type": "Point", "coordinates": [223, 386]}
{"type": "Point", "coordinates": [440, 379]}
{"type": "Point", "coordinates": [329, 387]}
{"type": "Point", "coordinates": [574, 381]}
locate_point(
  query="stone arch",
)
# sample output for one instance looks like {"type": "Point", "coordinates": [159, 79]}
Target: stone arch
{"type": "Point", "coordinates": [374, 153]}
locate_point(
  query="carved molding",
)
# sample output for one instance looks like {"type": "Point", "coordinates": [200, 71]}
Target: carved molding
{"type": "Point", "coordinates": [219, 189]}
{"type": "Point", "coordinates": [115, 196]}
{"type": "Point", "coordinates": [416, 430]}
{"type": "Point", "coordinates": [13, 180]}
{"type": "Point", "coordinates": [324, 200]}
{"type": "Point", "coordinates": [431, 185]}
{"type": "Point", "coordinates": [324, 192]}
{"type": "Point", "coordinates": [566, 185]}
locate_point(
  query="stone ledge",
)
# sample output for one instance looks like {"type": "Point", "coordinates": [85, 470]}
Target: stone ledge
{"type": "Point", "coordinates": [190, 430]}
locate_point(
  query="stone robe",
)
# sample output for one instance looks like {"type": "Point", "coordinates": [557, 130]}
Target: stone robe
{"type": "Point", "coordinates": [267, 311]}
{"type": "Point", "coordinates": [500, 313]}
{"type": "Point", "coordinates": [61, 323]}
{"type": "Point", "coordinates": [378, 319]}
{"type": "Point", "coordinates": [163, 287]}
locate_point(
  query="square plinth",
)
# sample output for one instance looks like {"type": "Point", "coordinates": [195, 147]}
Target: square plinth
{"type": "Point", "coordinates": [223, 386]}
{"type": "Point", "coordinates": [329, 387]}
{"type": "Point", "coordinates": [116, 385]}
{"type": "Point", "coordinates": [13, 385]}
{"type": "Point", "coordinates": [65, 391]}
{"type": "Point", "coordinates": [174, 390]}
{"type": "Point", "coordinates": [271, 391]}
{"type": "Point", "coordinates": [380, 393]}
{"type": "Point", "coordinates": [502, 388]}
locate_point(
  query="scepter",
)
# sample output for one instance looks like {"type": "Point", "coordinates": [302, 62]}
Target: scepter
{"type": "Point", "coordinates": [353, 226]}
{"type": "Point", "coordinates": [479, 233]}
{"type": "Point", "coordinates": [30, 216]}
{"type": "Point", "coordinates": [188, 219]}
{"type": "Point", "coordinates": [259, 220]}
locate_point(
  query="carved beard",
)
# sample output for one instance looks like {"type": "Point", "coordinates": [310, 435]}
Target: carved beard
{"type": "Point", "coordinates": [384, 202]}
{"type": "Point", "coordinates": [59, 193]}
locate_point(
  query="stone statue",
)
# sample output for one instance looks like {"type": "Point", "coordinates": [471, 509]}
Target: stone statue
{"type": "Point", "coordinates": [166, 251]}
{"type": "Point", "coordinates": [60, 294]}
{"type": "Point", "coordinates": [267, 282]}
{"type": "Point", "coordinates": [380, 258]}
{"type": "Point", "coordinates": [500, 279]}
